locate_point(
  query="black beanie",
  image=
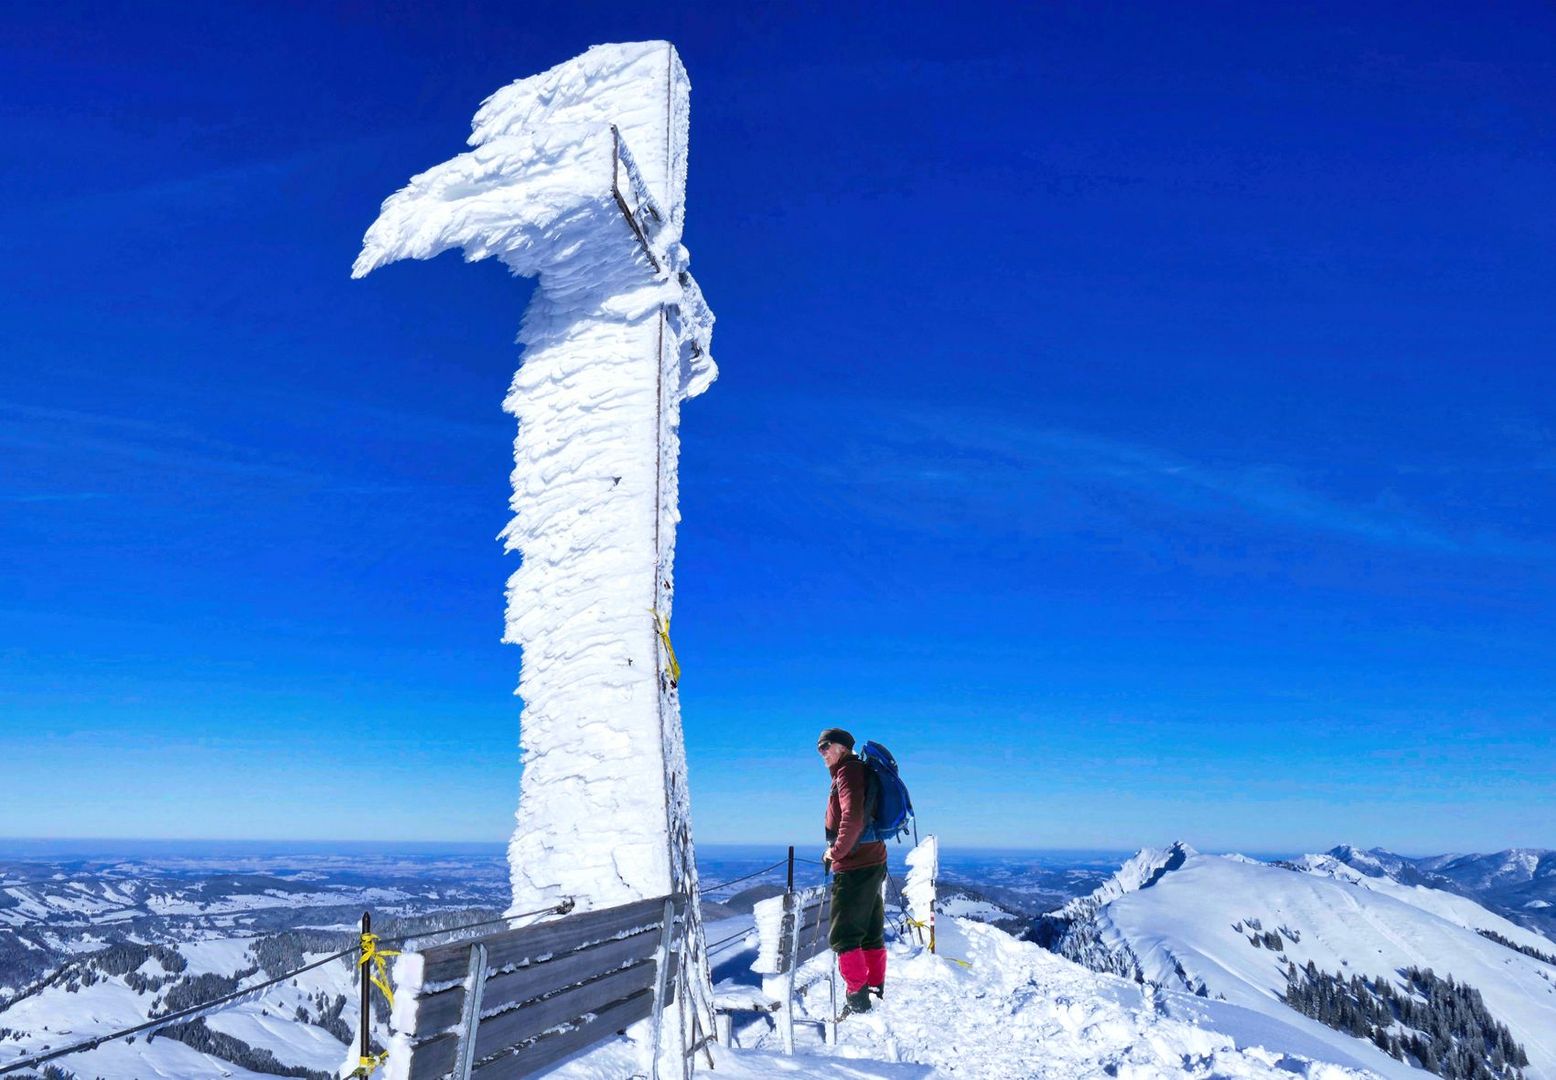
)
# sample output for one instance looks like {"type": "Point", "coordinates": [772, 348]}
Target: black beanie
{"type": "Point", "coordinates": [837, 735]}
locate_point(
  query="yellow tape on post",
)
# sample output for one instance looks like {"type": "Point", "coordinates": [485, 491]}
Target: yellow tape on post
{"type": "Point", "coordinates": [373, 960]}
{"type": "Point", "coordinates": [369, 1065]}
{"type": "Point", "coordinates": [673, 666]}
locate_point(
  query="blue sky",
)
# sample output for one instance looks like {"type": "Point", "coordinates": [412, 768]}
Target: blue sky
{"type": "Point", "coordinates": [1140, 420]}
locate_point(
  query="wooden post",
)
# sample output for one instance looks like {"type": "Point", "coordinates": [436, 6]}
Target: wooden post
{"type": "Point", "coordinates": [470, 1015]}
{"type": "Point", "coordinates": [792, 913]}
{"type": "Point", "coordinates": [366, 1029]}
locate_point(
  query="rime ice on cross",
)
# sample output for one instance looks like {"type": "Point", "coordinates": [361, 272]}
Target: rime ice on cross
{"type": "Point", "coordinates": [577, 176]}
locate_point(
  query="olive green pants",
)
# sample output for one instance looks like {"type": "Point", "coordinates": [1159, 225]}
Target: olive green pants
{"type": "Point", "coordinates": [858, 912]}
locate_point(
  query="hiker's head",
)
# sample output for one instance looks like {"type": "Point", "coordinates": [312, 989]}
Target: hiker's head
{"type": "Point", "coordinates": [834, 744]}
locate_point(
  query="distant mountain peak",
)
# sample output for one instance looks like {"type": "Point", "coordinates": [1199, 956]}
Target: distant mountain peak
{"type": "Point", "coordinates": [1373, 861]}
{"type": "Point", "coordinates": [1143, 870]}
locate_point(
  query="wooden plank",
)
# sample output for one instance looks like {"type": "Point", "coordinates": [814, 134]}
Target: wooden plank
{"type": "Point", "coordinates": [814, 928]}
{"type": "Point", "coordinates": [807, 950]}
{"type": "Point", "coordinates": [813, 936]}
{"type": "Point", "coordinates": [553, 942]}
{"type": "Point", "coordinates": [550, 1049]}
{"type": "Point", "coordinates": [527, 1021]}
{"type": "Point", "coordinates": [816, 911]}
{"type": "Point", "coordinates": [808, 924]}
{"type": "Point", "coordinates": [437, 1012]}
{"type": "Point", "coordinates": [809, 912]}
{"type": "Point", "coordinates": [445, 963]}
{"type": "Point", "coordinates": [434, 1058]}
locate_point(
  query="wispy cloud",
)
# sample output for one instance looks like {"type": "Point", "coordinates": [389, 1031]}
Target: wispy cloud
{"type": "Point", "coordinates": [956, 462]}
{"type": "Point", "coordinates": [75, 439]}
{"type": "Point", "coordinates": [43, 430]}
{"type": "Point", "coordinates": [54, 496]}
{"type": "Point", "coordinates": [200, 188]}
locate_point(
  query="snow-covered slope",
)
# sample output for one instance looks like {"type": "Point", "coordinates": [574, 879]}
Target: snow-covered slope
{"type": "Point", "coordinates": [1518, 883]}
{"type": "Point", "coordinates": [1228, 928]}
{"type": "Point", "coordinates": [1457, 909]}
{"type": "Point", "coordinates": [300, 1024]}
{"type": "Point", "coordinates": [987, 1007]}
{"type": "Point", "coordinates": [991, 1007]}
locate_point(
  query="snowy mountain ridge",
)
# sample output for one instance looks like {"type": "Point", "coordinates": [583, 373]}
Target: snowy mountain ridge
{"type": "Point", "coordinates": [1517, 883]}
{"type": "Point", "coordinates": [1260, 936]}
{"type": "Point", "coordinates": [1143, 870]}
{"type": "Point", "coordinates": [1457, 909]}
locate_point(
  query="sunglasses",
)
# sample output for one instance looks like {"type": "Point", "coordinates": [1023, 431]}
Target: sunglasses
{"type": "Point", "coordinates": [821, 747]}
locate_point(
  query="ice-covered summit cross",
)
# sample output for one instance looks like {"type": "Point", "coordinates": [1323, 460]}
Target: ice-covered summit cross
{"type": "Point", "coordinates": [578, 176]}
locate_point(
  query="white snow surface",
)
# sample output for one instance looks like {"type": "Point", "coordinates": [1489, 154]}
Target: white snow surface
{"type": "Point", "coordinates": [1009, 1011]}
{"type": "Point", "coordinates": [1184, 929]}
{"type": "Point", "coordinates": [624, 85]}
{"type": "Point", "coordinates": [923, 871]}
{"type": "Point", "coordinates": [1459, 910]}
{"type": "Point", "coordinates": [968, 908]}
{"type": "Point", "coordinates": [57, 1017]}
{"type": "Point", "coordinates": [614, 339]}
{"type": "Point", "coordinates": [987, 1007]}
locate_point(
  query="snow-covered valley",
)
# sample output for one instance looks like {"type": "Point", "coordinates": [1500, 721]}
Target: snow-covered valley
{"type": "Point", "coordinates": [1167, 967]}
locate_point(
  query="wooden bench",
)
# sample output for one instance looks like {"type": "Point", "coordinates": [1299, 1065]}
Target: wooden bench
{"type": "Point", "coordinates": [515, 1002]}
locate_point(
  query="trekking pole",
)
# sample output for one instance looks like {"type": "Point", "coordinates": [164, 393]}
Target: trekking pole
{"type": "Point", "coordinates": [826, 881]}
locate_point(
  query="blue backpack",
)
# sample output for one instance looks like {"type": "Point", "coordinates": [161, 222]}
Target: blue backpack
{"type": "Point", "coordinates": [888, 797]}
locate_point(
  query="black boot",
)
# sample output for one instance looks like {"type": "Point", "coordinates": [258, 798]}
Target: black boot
{"type": "Point", "coordinates": [859, 1000]}
{"type": "Point", "coordinates": [878, 991]}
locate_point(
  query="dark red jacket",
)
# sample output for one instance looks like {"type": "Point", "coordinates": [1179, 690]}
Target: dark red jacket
{"type": "Point", "coordinates": [846, 817]}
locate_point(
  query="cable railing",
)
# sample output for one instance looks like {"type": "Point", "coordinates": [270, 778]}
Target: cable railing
{"type": "Point", "coordinates": [159, 1022]}
{"type": "Point", "coordinates": [368, 947]}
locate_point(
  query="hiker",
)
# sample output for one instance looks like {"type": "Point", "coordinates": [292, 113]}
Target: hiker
{"type": "Point", "coordinates": [857, 932]}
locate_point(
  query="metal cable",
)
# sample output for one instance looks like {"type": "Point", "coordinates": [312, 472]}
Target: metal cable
{"type": "Point", "coordinates": [725, 941]}
{"type": "Point", "coordinates": [746, 877]}
{"type": "Point", "coordinates": [562, 908]}
{"type": "Point", "coordinates": [163, 1021]}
